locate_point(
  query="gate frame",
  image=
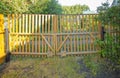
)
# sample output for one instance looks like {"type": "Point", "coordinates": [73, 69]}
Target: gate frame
{"type": "Point", "coordinates": [55, 48]}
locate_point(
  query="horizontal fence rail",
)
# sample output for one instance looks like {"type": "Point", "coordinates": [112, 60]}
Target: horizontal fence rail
{"type": "Point", "coordinates": [48, 35]}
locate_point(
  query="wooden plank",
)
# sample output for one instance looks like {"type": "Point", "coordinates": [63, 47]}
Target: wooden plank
{"type": "Point", "coordinates": [9, 22]}
{"type": "Point", "coordinates": [90, 21]}
{"type": "Point", "coordinates": [87, 43]}
{"type": "Point", "coordinates": [29, 19]}
{"type": "Point", "coordinates": [26, 20]}
{"type": "Point", "coordinates": [77, 22]}
{"type": "Point", "coordinates": [67, 30]}
{"type": "Point", "coordinates": [47, 43]}
{"type": "Point", "coordinates": [43, 43]}
{"type": "Point", "coordinates": [55, 31]}
{"type": "Point", "coordinates": [23, 23]}
{"type": "Point", "coordinates": [43, 30]}
{"type": "Point", "coordinates": [22, 43]}
{"type": "Point", "coordinates": [33, 32]}
{"type": "Point", "coordinates": [61, 23]}
{"type": "Point", "coordinates": [30, 23]}
{"type": "Point", "coordinates": [36, 24]}
{"type": "Point", "coordinates": [64, 31]}
{"type": "Point", "coordinates": [16, 21]}
{"type": "Point", "coordinates": [26, 29]}
{"type": "Point", "coordinates": [46, 31]}
{"type": "Point", "coordinates": [39, 31]}
{"type": "Point", "coordinates": [20, 48]}
{"type": "Point", "coordinates": [64, 34]}
{"type": "Point", "coordinates": [93, 30]}
{"type": "Point", "coordinates": [33, 23]}
{"type": "Point", "coordinates": [82, 40]}
{"type": "Point", "coordinates": [20, 23]}
{"type": "Point", "coordinates": [9, 27]}
{"type": "Point", "coordinates": [71, 39]}
{"type": "Point", "coordinates": [61, 44]}
{"type": "Point", "coordinates": [27, 44]}
{"type": "Point", "coordinates": [74, 30]}
{"type": "Point", "coordinates": [49, 30]}
{"type": "Point", "coordinates": [13, 25]}
{"type": "Point", "coordinates": [27, 53]}
{"type": "Point", "coordinates": [85, 29]}
{"type": "Point", "coordinates": [80, 53]}
{"type": "Point", "coordinates": [46, 21]}
{"type": "Point", "coordinates": [49, 23]}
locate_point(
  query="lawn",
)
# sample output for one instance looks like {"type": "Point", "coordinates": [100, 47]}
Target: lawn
{"type": "Point", "coordinates": [55, 67]}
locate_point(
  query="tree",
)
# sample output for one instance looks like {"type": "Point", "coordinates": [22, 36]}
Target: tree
{"type": "Point", "coordinates": [110, 46]}
{"type": "Point", "coordinates": [13, 6]}
{"type": "Point", "coordinates": [109, 15]}
{"type": "Point", "coordinates": [4, 8]}
{"type": "Point", "coordinates": [45, 7]}
{"type": "Point", "coordinates": [76, 9]}
{"type": "Point", "coordinates": [30, 6]}
{"type": "Point", "coordinates": [54, 7]}
{"type": "Point", "coordinates": [104, 7]}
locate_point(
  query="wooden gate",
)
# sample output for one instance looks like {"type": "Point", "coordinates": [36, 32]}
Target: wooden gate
{"type": "Point", "coordinates": [48, 35]}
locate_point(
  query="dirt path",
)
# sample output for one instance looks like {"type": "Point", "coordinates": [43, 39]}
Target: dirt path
{"type": "Point", "coordinates": [67, 67]}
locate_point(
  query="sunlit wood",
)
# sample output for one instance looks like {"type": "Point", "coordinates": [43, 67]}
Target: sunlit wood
{"type": "Point", "coordinates": [55, 34]}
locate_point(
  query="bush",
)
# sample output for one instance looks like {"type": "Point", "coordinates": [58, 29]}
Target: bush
{"type": "Point", "coordinates": [110, 49]}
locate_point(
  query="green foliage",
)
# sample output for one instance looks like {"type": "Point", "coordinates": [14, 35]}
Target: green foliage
{"type": "Point", "coordinates": [42, 68]}
{"type": "Point", "coordinates": [110, 47]}
{"type": "Point", "coordinates": [5, 9]}
{"type": "Point", "coordinates": [13, 6]}
{"type": "Point", "coordinates": [92, 63]}
{"type": "Point", "coordinates": [104, 7]}
{"type": "Point", "coordinates": [110, 50]}
{"type": "Point", "coordinates": [46, 7]}
{"type": "Point", "coordinates": [30, 6]}
{"type": "Point", "coordinates": [109, 15]}
{"type": "Point", "coordinates": [76, 9]}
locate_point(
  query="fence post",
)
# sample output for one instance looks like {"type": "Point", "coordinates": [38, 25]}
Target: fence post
{"type": "Point", "coordinates": [7, 44]}
{"type": "Point", "coordinates": [55, 31]}
{"type": "Point", "coordinates": [102, 33]}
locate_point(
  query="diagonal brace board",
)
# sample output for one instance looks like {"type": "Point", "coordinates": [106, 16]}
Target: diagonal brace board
{"type": "Point", "coordinates": [63, 43]}
{"type": "Point", "coordinates": [47, 43]}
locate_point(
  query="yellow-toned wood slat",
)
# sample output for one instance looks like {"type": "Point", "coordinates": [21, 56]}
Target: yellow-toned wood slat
{"type": "Point", "coordinates": [16, 22]}
{"type": "Point", "coordinates": [44, 33]}
{"type": "Point", "coordinates": [13, 23]}
{"type": "Point", "coordinates": [39, 30]}
{"type": "Point", "coordinates": [36, 26]}
{"type": "Point", "coordinates": [77, 22]}
{"type": "Point", "coordinates": [32, 31]}
{"type": "Point", "coordinates": [48, 26]}
{"type": "Point", "coordinates": [20, 23]}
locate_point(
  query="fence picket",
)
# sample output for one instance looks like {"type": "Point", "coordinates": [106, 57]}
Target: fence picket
{"type": "Point", "coordinates": [41, 33]}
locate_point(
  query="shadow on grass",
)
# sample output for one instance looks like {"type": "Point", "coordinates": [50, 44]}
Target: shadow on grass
{"type": "Point", "coordinates": [57, 67]}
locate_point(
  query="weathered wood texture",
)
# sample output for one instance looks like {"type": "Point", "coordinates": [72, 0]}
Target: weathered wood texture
{"type": "Point", "coordinates": [49, 35]}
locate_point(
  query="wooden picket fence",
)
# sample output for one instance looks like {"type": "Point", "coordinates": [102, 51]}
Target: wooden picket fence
{"type": "Point", "coordinates": [49, 35]}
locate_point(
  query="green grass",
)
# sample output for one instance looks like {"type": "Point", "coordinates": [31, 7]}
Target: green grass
{"type": "Point", "coordinates": [55, 67]}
